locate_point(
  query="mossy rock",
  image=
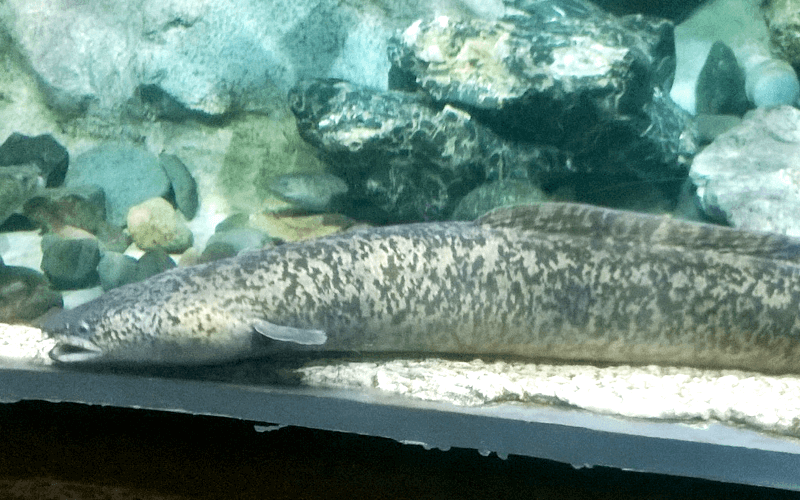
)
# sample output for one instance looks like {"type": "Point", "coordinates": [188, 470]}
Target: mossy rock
{"type": "Point", "coordinates": [262, 148]}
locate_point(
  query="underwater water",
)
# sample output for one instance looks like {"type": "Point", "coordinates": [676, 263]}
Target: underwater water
{"type": "Point", "coordinates": [507, 216]}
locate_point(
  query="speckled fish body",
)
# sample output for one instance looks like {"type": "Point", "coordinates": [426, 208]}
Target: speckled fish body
{"type": "Point", "coordinates": [551, 281]}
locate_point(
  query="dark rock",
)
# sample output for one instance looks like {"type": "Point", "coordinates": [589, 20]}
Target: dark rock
{"type": "Point", "coordinates": [217, 250]}
{"type": "Point", "coordinates": [404, 159]}
{"type": "Point", "coordinates": [17, 185]}
{"type": "Point", "coordinates": [710, 126]}
{"type": "Point", "coordinates": [80, 206]}
{"type": "Point", "coordinates": [749, 176]}
{"type": "Point", "coordinates": [497, 194]}
{"type": "Point", "coordinates": [585, 82]}
{"type": "Point", "coordinates": [83, 207]}
{"type": "Point", "coordinates": [558, 89]}
{"type": "Point", "coordinates": [116, 269]}
{"type": "Point", "coordinates": [184, 187]}
{"type": "Point", "coordinates": [127, 174]}
{"type": "Point", "coordinates": [42, 150]}
{"type": "Point", "coordinates": [688, 206]}
{"type": "Point", "coordinates": [720, 87]}
{"type": "Point", "coordinates": [234, 235]}
{"type": "Point", "coordinates": [401, 159]}
{"type": "Point", "coordinates": [674, 10]}
{"type": "Point", "coordinates": [241, 239]}
{"type": "Point", "coordinates": [620, 192]}
{"type": "Point", "coordinates": [153, 262]}
{"type": "Point", "coordinates": [25, 294]}
{"type": "Point", "coordinates": [113, 238]}
{"type": "Point", "coordinates": [560, 56]}
{"type": "Point", "coordinates": [234, 221]}
{"type": "Point", "coordinates": [70, 264]}
{"type": "Point", "coordinates": [165, 107]}
{"type": "Point", "coordinates": [17, 222]}
{"type": "Point", "coordinates": [312, 192]}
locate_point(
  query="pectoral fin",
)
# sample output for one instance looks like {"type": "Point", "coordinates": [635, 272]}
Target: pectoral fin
{"type": "Point", "coordinates": [288, 334]}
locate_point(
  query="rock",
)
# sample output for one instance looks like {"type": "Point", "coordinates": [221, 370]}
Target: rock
{"type": "Point", "coordinates": [497, 194]}
{"type": "Point", "coordinates": [153, 262]}
{"type": "Point", "coordinates": [184, 187]}
{"type": "Point", "coordinates": [83, 207]}
{"type": "Point", "coordinates": [233, 221]}
{"type": "Point", "coordinates": [155, 224]}
{"type": "Point", "coordinates": [623, 192]}
{"type": "Point", "coordinates": [217, 250]}
{"type": "Point", "coordinates": [261, 148]}
{"type": "Point", "coordinates": [234, 235]}
{"type": "Point", "coordinates": [116, 269]}
{"type": "Point", "coordinates": [193, 53]}
{"type": "Point", "coordinates": [300, 228]}
{"type": "Point", "coordinates": [783, 21]}
{"type": "Point", "coordinates": [203, 58]}
{"type": "Point", "coordinates": [73, 233]}
{"type": "Point", "coordinates": [675, 11]}
{"type": "Point", "coordinates": [25, 294]}
{"type": "Point", "coordinates": [688, 205]}
{"type": "Point", "coordinates": [720, 87]}
{"type": "Point", "coordinates": [590, 84]}
{"type": "Point", "coordinates": [42, 150]}
{"type": "Point", "coordinates": [79, 206]}
{"type": "Point", "coordinates": [312, 192]}
{"type": "Point", "coordinates": [772, 82]}
{"type": "Point", "coordinates": [556, 89]}
{"type": "Point", "coordinates": [750, 177]}
{"type": "Point", "coordinates": [190, 257]}
{"type": "Point", "coordinates": [403, 159]}
{"type": "Point", "coordinates": [113, 238]}
{"type": "Point", "coordinates": [17, 185]}
{"type": "Point", "coordinates": [711, 126]}
{"type": "Point", "coordinates": [127, 174]}
{"type": "Point", "coordinates": [241, 239]}
{"type": "Point", "coordinates": [70, 264]}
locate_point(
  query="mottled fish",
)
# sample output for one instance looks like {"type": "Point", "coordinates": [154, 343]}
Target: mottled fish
{"type": "Point", "coordinates": [550, 281]}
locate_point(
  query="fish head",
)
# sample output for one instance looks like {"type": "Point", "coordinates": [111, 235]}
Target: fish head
{"type": "Point", "coordinates": [186, 316]}
{"type": "Point", "coordinates": [93, 333]}
{"type": "Point", "coordinates": [111, 331]}
{"type": "Point", "coordinates": [107, 331]}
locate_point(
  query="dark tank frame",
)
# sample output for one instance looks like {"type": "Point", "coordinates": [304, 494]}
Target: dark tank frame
{"type": "Point", "coordinates": [712, 451]}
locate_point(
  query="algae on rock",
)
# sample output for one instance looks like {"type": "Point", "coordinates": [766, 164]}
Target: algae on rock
{"type": "Point", "coordinates": [262, 148]}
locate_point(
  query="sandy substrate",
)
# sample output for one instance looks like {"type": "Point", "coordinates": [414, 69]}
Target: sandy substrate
{"type": "Point", "coordinates": [766, 403]}
{"type": "Point", "coordinates": [21, 344]}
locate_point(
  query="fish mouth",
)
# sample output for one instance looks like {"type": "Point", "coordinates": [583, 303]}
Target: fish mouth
{"type": "Point", "coordinates": [75, 350]}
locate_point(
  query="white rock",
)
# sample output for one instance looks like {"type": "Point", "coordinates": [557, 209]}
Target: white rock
{"type": "Point", "coordinates": [772, 82]}
{"type": "Point", "coordinates": [750, 175]}
{"type": "Point", "coordinates": [208, 56]}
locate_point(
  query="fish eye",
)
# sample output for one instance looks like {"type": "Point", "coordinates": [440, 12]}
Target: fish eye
{"type": "Point", "coordinates": [83, 327]}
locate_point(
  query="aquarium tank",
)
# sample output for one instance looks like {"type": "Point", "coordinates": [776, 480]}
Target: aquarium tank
{"type": "Point", "coordinates": [559, 229]}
